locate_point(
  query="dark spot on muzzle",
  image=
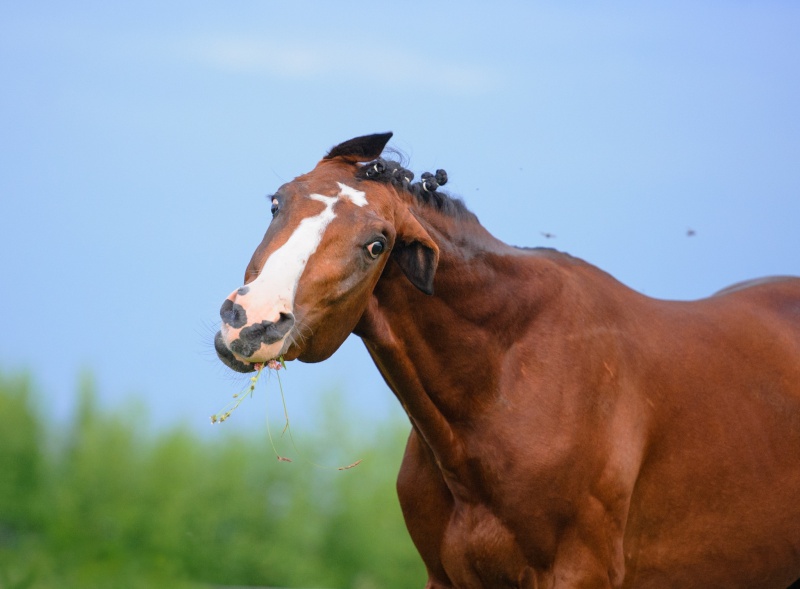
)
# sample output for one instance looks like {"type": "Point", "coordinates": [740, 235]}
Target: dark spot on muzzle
{"type": "Point", "coordinates": [227, 357]}
{"type": "Point", "coordinates": [251, 337]}
{"type": "Point", "coordinates": [233, 314]}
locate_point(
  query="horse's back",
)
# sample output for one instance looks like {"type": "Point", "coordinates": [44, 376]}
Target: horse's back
{"type": "Point", "coordinates": [779, 293]}
{"type": "Point", "coordinates": [775, 300]}
{"type": "Point", "coordinates": [725, 436]}
{"type": "Point", "coordinates": [778, 282]}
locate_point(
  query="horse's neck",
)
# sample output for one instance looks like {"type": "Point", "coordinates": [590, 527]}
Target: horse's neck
{"type": "Point", "coordinates": [441, 354]}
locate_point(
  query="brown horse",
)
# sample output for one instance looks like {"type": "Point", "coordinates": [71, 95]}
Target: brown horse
{"type": "Point", "coordinates": [566, 430]}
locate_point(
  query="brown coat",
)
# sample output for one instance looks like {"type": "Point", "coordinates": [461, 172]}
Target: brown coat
{"type": "Point", "coordinates": [566, 430]}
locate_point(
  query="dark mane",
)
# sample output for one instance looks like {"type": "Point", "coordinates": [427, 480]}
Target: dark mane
{"type": "Point", "coordinates": [424, 192]}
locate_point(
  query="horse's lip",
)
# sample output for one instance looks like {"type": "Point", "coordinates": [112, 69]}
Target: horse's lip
{"type": "Point", "coordinates": [227, 357]}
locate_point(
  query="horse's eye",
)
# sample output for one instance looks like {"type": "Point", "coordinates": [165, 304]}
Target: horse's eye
{"type": "Point", "coordinates": [274, 208]}
{"type": "Point", "coordinates": [375, 248]}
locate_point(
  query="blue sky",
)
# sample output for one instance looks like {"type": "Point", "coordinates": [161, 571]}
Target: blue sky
{"type": "Point", "coordinates": [138, 141]}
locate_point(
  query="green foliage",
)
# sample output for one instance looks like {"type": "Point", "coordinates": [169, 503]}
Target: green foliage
{"type": "Point", "coordinates": [103, 504]}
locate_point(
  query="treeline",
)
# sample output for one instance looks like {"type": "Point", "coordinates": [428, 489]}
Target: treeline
{"type": "Point", "coordinates": [101, 503]}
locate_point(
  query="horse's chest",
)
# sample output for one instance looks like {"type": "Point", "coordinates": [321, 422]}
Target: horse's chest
{"type": "Point", "coordinates": [480, 551]}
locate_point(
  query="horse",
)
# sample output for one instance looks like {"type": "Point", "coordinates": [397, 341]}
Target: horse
{"type": "Point", "coordinates": [566, 430]}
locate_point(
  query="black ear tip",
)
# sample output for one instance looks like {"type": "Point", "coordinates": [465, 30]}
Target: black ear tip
{"type": "Point", "coordinates": [377, 138]}
{"type": "Point", "coordinates": [363, 149]}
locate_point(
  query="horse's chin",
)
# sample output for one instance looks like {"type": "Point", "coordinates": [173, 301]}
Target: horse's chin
{"type": "Point", "coordinates": [311, 354]}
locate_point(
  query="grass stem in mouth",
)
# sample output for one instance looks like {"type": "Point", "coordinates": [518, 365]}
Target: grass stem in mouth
{"type": "Point", "coordinates": [275, 366]}
{"type": "Point", "coordinates": [239, 397]}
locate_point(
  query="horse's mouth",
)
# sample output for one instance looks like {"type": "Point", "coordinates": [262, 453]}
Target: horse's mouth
{"type": "Point", "coordinates": [227, 357]}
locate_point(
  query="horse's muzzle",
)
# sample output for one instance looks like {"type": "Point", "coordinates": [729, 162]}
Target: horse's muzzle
{"type": "Point", "coordinates": [267, 332]}
{"type": "Point", "coordinates": [227, 357]}
{"type": "Point", "coordinates": [241, 352]}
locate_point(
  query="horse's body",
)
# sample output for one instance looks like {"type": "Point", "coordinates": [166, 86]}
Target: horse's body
{"type": "Point", "coordinates": [567, 431]}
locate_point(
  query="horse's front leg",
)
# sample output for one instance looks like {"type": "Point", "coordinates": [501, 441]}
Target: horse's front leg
{"type": "Point", "coordinates": [427, 505]}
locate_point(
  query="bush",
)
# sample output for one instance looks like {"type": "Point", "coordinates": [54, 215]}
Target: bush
{"type": "Point", "coordinates": [102, 504]}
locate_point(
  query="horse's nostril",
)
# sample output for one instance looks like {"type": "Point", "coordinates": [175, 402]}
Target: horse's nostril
{"type": "Point", "coordinates": [233, 314]}
{"type": "Point", "coordinates": [286, 320]}
{"type": "Point", "coordinates": [276, 331]}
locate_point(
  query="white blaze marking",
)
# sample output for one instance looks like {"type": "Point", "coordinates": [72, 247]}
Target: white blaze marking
{"type": "Point", "coordinates": [274, 289]}
{"type": "Point", "coordinates": [356, 196]}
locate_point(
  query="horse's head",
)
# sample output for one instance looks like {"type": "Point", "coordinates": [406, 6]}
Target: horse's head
{"type": "Point", "coordinates": [333, 231]}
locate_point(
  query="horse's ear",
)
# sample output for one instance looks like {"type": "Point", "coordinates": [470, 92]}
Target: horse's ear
{"type": "Point", "coordinates": [361, 149]}
{"type": "Point", "coordinates": [416, 253]}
